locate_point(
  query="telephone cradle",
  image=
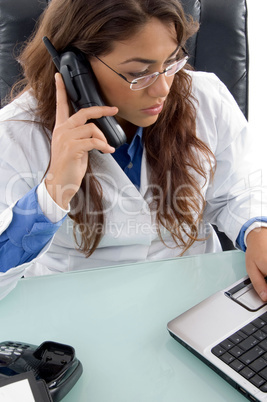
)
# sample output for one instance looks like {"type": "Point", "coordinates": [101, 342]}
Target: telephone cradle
{"type": "Point", "coordinates": [52, 362]}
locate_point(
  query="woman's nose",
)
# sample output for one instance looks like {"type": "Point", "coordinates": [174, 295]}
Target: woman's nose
{"type": "Point", "coordinates": [161, 87]}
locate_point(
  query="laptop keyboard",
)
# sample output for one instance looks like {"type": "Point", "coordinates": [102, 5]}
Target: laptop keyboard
{"type": "Point", "coordinates": [246, 352]}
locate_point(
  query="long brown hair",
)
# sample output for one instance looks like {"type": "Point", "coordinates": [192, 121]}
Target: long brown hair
{"type": "Point", "coordinates": [173, 149]}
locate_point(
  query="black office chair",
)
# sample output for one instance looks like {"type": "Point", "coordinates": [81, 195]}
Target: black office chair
{"type": "Point", "coordinates": [17, 21]}
{"type": "Point", "coordinates": [220, 46]}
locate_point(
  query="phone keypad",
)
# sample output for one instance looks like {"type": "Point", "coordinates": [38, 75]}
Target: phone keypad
{"type": "Point", "coordinates": [12, 349]}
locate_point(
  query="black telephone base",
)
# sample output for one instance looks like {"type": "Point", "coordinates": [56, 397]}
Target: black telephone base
{"type": "Point", "coordinates": [53, 362]}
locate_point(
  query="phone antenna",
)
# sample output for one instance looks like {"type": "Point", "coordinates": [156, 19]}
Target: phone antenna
{"type": "Point", "coordinates": [54, 54]}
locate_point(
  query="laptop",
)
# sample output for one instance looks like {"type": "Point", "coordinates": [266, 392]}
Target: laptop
{"type": "Point", "coordinates": [228, 331]}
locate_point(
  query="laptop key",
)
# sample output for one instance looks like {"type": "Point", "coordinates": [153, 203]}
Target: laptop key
{"type": "Point", "coordinates": [264, 317]}
{"type": "Point", "coordinates": [247, 373]}
{"type": "Point", "coordinates": [237, 365]}
{"type": "Point", "coordinates": [260, 335]}
{"type": "Point", "coordinates": [263, 344]}
{"type": "Point", "coordinates": [263, 373]}
{"type": "Point", "coordinates": [218, 350]}
{"type": "Point", "coordinates": [226, 344]}
{"type": "Point", "coordinates": [251, 355]}
{"type": "Point", "coordinates": [257, 381]}
{"type": "Point", "coordinates": [258, 322]}
{"type": "Point", "coordinates": [227, 358]}
{"type": "Point", "coordinates": [248, 343]}
{"type": "Point", "coordinates": [258, 364]}
{"type": "Point", "coordinates": [249, 329]}
{"type": "Point", "coordinates": [263, 387]}
{"type": "Point", "coordinates": [237, 337]}
{"type": "Point", "coordinates": [236, 351]}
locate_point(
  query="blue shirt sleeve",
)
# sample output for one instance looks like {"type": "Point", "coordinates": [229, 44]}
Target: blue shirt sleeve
{"type": "Point", "coordinates": [240, 239]}
{"type": "Point", "coordinates": [27, 234]}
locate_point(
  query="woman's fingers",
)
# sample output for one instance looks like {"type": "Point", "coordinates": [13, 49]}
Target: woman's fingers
{"type": "Point", "coordinates": [256, 260]}
{"type": "Point", "coordinates": [89, 130]}
{"type": "Point", "coordinates": [87, 144]}
{"type": "Point", "coordinates": [72, 139]}
{"type": "Point", "coordinates": [257, 278]}
{"type": "Point", "coordinates": [71, 128]}
{"type": "Point", "coordinates": [62, 111]}
{"type": "Point", "coordinates": [86, 114]}
{"type": "Point", "coordinates": [83, 115]}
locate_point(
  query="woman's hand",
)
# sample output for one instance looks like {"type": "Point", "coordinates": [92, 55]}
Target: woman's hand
{"type": "Point", "coordinates": [71, 141]}
{"type": "Point", "coordinates": [256, 260]}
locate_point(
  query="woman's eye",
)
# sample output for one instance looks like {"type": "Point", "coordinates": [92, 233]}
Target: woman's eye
{"type": "Point", "coordinates": [172, 61]}
{"type": "Point", "coordinates": [138, 75]}
{"type": "Point", "coordinates": [146, 72]}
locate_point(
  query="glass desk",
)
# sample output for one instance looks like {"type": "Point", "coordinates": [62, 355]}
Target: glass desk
{"type": "Point", "coordinates": [116, 319]}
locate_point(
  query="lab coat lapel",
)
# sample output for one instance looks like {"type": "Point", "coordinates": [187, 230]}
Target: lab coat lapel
{"type": "Point", "coordinates": [113, 178]}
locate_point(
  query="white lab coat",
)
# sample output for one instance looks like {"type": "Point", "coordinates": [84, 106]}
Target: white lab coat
{"type": "Point", "coordinates": [231, 198]}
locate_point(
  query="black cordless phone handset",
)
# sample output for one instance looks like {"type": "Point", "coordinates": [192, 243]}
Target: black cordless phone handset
{"type": "Point", "coordinates": [81, 86]}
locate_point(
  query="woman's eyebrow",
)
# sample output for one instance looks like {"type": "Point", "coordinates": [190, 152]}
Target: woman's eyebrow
{"type": "Point", "coordinates": [147, 61]}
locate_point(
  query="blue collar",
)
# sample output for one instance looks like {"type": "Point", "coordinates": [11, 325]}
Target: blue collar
{"type": "Point", "coordinates": [129, 157]}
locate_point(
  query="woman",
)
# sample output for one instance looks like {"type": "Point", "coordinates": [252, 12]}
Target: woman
{"type": "Point", "coordinates": [67, 206]}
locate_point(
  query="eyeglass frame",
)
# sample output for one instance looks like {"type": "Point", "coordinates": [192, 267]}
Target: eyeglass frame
{"type": "Point", "coordinates": [156, 73]}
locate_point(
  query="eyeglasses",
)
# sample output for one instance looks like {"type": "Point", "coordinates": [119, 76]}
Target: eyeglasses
{"type": "Point", "coordinates": [147, 80]}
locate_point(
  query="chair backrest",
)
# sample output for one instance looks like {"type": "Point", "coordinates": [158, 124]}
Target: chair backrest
{"type": "Point", "coordinates": [220, 46]}
{"type": "Point", "coordinates": [17, 21]}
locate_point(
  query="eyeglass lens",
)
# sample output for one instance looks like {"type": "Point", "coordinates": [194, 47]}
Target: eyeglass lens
{"type": "Point", "coordinates": [143, 82]}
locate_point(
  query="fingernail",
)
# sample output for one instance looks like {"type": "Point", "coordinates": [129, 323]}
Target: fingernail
{"type": "Point", "coordinates": [263, 295]}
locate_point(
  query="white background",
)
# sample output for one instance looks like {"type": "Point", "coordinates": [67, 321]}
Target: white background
{"type": "Point", "coordinates": [257, 29]}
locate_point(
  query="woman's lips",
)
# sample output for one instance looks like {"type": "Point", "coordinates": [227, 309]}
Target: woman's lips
{"type": "Point", "coordinates": [153, 110]}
